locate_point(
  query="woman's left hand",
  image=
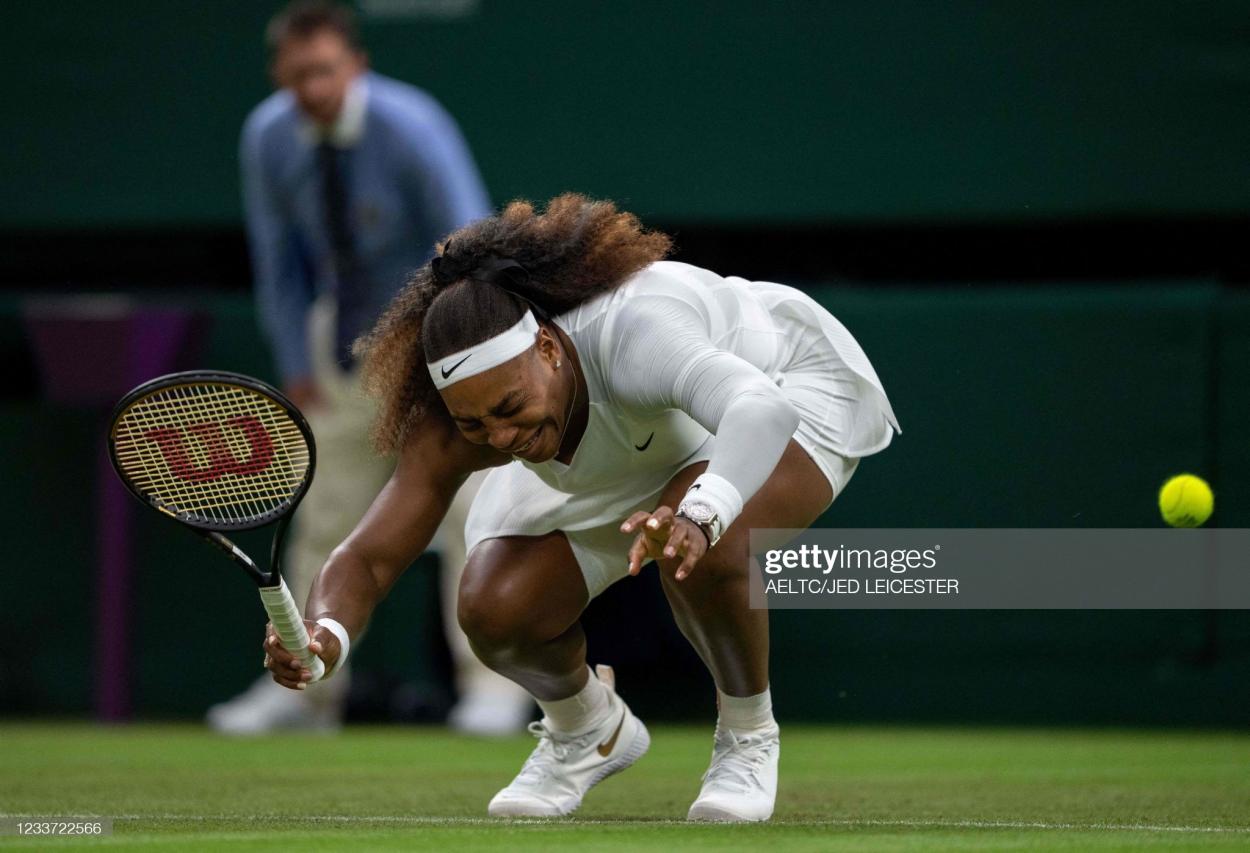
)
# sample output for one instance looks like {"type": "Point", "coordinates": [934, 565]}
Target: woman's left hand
{"type": "Point", "coordinates": [662, 535]}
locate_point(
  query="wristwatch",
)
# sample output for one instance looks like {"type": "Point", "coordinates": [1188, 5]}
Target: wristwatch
{"type": "Point", "coordinates": [705, 517]}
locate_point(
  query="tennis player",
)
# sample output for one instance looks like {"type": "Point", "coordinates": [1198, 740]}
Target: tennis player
{"type": "Point", "coordinates": [633, 409]}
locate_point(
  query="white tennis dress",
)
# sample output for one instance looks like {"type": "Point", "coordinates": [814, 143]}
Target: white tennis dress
{"type": "Point", "coordinates": [683, 366]}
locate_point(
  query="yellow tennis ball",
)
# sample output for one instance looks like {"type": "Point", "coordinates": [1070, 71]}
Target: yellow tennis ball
{"type": "Point", "coordinates": [1186, 501]}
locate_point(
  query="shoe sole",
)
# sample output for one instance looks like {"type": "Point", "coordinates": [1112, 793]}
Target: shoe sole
{"type": "Point", "coordinates": [637, 749]}
{"type": "Point", "coordinates": [713, 814]}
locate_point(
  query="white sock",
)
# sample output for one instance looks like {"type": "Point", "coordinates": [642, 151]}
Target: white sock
{"type": "Point", "coordinates": [745, 713]}
{"type": "Point", "coordinates": [580, 712]}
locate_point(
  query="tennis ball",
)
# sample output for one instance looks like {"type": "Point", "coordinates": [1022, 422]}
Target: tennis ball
{"type": "Point", "coordinates": [1186, 501]}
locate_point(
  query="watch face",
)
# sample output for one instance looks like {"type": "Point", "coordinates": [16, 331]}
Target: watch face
{"type": "Point", "coordinates": [698, 513]}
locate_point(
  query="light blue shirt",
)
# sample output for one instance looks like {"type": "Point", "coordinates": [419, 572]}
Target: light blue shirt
{"type": "Point", "coordinates": [411, 180]}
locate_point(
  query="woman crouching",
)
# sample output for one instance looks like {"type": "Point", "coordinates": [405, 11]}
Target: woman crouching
{"type": "Point", "coordinates": [633, 409]}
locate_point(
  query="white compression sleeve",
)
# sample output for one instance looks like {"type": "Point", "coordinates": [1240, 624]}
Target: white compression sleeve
{"type": "Point", "coordinates": [661, 357]}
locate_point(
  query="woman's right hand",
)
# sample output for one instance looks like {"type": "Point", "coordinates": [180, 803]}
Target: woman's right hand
{"type": "Point", "coordinates": [286, 668]}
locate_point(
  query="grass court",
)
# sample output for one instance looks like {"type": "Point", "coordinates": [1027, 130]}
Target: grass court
{"type": "Point", "coordinates": [178, 787]}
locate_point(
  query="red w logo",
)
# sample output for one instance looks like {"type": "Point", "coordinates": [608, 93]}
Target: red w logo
{"type": "Point", "coordinates": [213, 439]}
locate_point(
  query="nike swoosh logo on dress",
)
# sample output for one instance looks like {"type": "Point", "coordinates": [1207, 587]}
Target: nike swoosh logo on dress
{"type": "Point", "coordinates": [646, 443]}
{"type": "Point", "coordinates": [448, 371]}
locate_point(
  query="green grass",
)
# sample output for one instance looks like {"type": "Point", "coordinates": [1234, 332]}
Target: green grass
{"type": "Point", "coordinates": [180, 788]}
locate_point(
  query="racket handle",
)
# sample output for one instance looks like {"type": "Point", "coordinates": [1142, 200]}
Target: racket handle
{"type": "Point", "coordinates": [289, 624]}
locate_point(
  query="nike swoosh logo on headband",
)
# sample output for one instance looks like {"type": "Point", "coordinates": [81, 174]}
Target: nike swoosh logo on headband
{"type": "Point", "coordinates": [448, 371]}
{"type": "Point", "coordinates": [645, 444]}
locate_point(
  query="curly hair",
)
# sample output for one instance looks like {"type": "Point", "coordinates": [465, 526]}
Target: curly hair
{"type": "Point", "coordinates": [479, 284]}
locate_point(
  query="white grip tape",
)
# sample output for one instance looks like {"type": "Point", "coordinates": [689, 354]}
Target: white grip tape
{"type": "Point", "coordinates": [289, 624]}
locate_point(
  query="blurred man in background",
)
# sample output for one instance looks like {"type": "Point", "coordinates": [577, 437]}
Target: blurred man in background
{"type": "Point", "coordinates": [349, 178]}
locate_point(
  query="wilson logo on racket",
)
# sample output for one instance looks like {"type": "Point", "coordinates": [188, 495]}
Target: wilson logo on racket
{"type": "Point", "coordinates": [211, 437]}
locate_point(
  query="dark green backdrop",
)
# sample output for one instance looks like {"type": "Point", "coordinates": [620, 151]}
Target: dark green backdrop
{"type": "Point", "coordinates": [690, 111]}
{"type": "Point", "coordinates": [1050, 406]}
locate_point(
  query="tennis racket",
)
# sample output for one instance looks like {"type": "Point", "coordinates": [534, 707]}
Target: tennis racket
{"type": "Point", "coordinates": [219, 452]}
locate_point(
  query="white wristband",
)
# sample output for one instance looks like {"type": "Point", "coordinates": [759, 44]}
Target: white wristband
{"type": "Point", "coordinates": [718, 493]}
{"type": "Point", "coordinates": [345, 643]}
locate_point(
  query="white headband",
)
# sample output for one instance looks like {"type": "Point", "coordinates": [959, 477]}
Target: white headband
{"type": "Point", "coordinates": [491, 352]}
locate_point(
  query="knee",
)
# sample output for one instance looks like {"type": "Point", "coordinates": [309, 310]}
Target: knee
{"type": "Point", "coordinates": [493, 618]}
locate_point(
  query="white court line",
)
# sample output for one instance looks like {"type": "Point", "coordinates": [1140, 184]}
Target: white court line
{"type": "Point", "coordinates": [427, 820]}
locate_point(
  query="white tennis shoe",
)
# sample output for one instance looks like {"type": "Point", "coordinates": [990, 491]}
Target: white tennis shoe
{"type": "Point", "coordinates": [741, 783]}
{"type": "Point", "coordinates": [563, 767]}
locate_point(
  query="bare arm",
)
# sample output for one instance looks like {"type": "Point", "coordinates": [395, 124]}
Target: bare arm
{"type": "Point", "coordinates": [398, 525]}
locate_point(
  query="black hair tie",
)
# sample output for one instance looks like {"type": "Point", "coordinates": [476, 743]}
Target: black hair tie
{"type": "Point", "coordinates": [505, 273]}
{"type": "Point", "coordinates": [508, 274]}
{"type": "Point", "coordinates": [447, 270]}
{"type": "Point", "coordinates": [501, 272]}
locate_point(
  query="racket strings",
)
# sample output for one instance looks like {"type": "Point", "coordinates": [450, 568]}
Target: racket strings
{"type": "Point", "coordinates": [214, 452]}
{"type": "Point", "coordinates": [226, 407]}
{"type": "Point", "coordinates": [200, 473]}
{"type": "Point", "coordinates": [199, 468]}
{"type": "Point", "coordinates": [204, 475]}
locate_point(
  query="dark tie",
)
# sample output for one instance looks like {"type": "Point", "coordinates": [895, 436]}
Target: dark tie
{"type": "Point", "coordinates": [350, 294]}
